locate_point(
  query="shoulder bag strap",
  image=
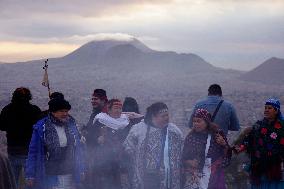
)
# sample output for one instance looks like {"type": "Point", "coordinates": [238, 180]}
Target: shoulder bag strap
{"type": "Point", "coordinates": [216, 110]}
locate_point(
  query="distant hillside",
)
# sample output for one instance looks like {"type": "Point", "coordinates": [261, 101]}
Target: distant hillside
{"type": "Point", "coordinates": [269, 72]}
{"type": "Point", "coordinates": [109, 62]}
{"type": "Point", "coordinates": [123, 68]}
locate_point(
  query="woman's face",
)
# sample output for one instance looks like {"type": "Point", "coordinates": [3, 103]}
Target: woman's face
{"type": "Point", "coordinates": [199, 124]}
{"type": "Point", "coordinates": [61, 115]}
{"type": "Point", "coordinates": [270, 113]}
{"type": "Point", "coordinates": [161, 120]}
{"type": "Point", "coordinates": [115, 111]}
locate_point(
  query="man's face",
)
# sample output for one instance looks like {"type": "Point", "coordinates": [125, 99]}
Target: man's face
{"type": "Point", "coordinates": [161, 119]}
{"type": "Point", "coordinates": [97, 102]}
{"type": "Point", "coordinates": [269, 112]}
{"type": "Point", "coordinates": [61, 115]}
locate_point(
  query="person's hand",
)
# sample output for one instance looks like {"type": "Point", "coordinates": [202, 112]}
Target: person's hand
{"type": "Point", "coordinates": [132, 115]}
{"type": "Point", "coordinates": [220, 140]}
{"type": "Point", "coordinates": [238, 148]}
{"type": "Point", "coordinates": [101, 139]}
{"type": "Point", "coordinates": [30, 182]}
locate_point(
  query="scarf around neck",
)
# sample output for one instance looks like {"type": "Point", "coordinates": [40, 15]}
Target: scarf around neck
{"type": "Point", "coordinates": [113, 123]}
{"type": "Point", "coordinates": [52, 143]}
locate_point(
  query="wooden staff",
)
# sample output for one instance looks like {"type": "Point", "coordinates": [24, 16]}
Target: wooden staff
{"type": "Point", "coordinates": [45, 81]}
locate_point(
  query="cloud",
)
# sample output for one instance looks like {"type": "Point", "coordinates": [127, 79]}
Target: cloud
{"type": "Point", "coordinates": [52, 18]}
{"type": "Point", "coordinates": [81, 39]}
{"type": "Point", "coordinates": [89, 8]}
{"type": "Point", "coordinates": [211, 28]}
{"type": "Point", "coordinates": [38, 48]}
{"type": "Point", "coordinates": [103, 36]}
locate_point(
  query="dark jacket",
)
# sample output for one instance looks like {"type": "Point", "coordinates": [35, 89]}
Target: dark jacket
{"type": "Point", "coordinates": [88, 129]}
{"type": "Point", "coordinates": [17, 119]}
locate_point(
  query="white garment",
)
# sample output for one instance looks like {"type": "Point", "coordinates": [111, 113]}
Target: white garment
{"type": "Point", "coordinates": [167, 160]}
{"type": "Point", "coordinates": [206, 171]}
{"type": "Point", "coordinates": [113, 123]}
{"type": "Point", "coordinates": [61, 135]}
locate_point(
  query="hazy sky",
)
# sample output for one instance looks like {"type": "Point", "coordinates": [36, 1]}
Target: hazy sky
{"type": "Point", "coordinates": [238, 34]}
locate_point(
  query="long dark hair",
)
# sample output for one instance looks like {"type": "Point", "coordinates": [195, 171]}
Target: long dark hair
{"type": "Point", "coordinates": [130, 105]}
{"type": "Point", "coordinates": [153, 110]}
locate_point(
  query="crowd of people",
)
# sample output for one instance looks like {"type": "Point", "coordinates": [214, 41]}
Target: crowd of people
{"type": "Point", "coordinates": [119, 148]}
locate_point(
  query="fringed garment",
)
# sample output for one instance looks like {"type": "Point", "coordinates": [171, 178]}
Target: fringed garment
{"type": "Point", "coordinates": [155, 152]}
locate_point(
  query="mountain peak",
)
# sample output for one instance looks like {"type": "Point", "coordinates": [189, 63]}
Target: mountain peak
{"type": "Point", "coordinates": [100, 47]}
{"type": "Point", "coordinates": [109, 43]}
{"type": "Point", "coordinates": [274, 60]}
{"type": "Point", "coordinates": [269, 72]}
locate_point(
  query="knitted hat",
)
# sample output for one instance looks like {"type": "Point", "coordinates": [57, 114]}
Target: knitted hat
{"type": "Point", "coordinates": [58, 104]}
{"type": "Point", "coordinates": [276, 104]}
{"type": "Point", "coordinates": [56, 95]}
{"type": "Point", "coordinates": [203, 114]}
{"type": "Point", "coordinates": [273, 102]}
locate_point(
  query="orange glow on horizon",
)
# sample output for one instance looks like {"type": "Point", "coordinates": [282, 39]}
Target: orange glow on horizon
{"type": "Point", "coordinates": [11, 52]}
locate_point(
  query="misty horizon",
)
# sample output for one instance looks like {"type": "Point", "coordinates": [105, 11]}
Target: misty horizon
{"type": "Point", "coordinates": [236, 35]}
{"type": "Point", "coordinates": [127, 38]}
